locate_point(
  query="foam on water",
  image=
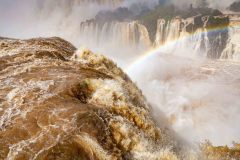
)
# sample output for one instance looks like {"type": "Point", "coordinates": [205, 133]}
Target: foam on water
{"type": "Point", "coordinates": [200, 98]}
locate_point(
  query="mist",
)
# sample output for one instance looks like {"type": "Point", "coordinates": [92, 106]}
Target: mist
{"type": "Point", "coordinates": [62, 18]}
{"type": "Point", "coordinates": [27, 18]}
{"type": "Point", "coordinates": [199, 97]}
{"type": "Point", "coordinates": [44, 18]}
{"type": "Point", "coordinates": [222, 5]}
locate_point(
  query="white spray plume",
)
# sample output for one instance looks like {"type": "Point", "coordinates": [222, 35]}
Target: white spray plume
{"type": "Point", "coordinates": [199, 97]}
{"type": "Point", "coordinates": [62, 18]}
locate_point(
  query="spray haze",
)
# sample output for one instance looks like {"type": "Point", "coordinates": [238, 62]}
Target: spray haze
{"type": "Point", "coordinates": [64, 18]}
{"type": "Point", "coordinates": [212, 3]}
{"type": "Point", "coordinates": [200, 97]}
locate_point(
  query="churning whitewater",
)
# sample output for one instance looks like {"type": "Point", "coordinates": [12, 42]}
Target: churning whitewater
{"type": "Point", "coordinates": [61, 103]}
{"type": "Point", "coordinates": [65, 100]}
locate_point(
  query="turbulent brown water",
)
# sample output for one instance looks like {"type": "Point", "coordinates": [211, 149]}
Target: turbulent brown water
{"type": "Point", "coordinates": [57, 102]}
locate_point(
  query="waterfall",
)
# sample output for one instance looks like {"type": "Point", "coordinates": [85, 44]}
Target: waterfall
{"type": "Point", "coordinates": [232, 50]}
{"type": "Point", "coordinates": [199, 35]}
{"type": "Point", "coordinates": [180, 32]}
{"type": "Point", "coordinates": [72, 20]}
{"type": "Point", "coordinates": [194, 35]}
{"type": "Point", "coordinates": [115, 34]}
{"type": "Point", "coordinates": [160, 32]}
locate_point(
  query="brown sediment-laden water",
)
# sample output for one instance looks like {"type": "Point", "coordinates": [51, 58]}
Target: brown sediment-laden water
{"type": "Point", "coordinates": [57, 102]}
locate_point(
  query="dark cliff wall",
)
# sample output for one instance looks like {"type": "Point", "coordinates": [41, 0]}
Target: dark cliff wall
{"type": "Point", "coordinates": [217, 35]}
{"type": "Point", "coordinates": [216, 28]}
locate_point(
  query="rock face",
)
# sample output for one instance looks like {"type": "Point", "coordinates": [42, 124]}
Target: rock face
{"type": "Point", "coordinates": [235, 6]}
{"type": "Point", "coordinates": [208, 34]}
{"type": "Point", "coordinates": [60, 103]}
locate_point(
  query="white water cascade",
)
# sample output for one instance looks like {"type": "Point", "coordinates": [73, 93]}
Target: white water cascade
{"type": "Point", "coordinates": [175, 32]}
{"type": "Point", "coordinates": [232, 50]}
{"type": "Point", "coordinates": [129, 37]}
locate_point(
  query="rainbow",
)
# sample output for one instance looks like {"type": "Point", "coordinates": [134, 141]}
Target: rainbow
{"type": "Point", "coordinates": [156, 51]}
